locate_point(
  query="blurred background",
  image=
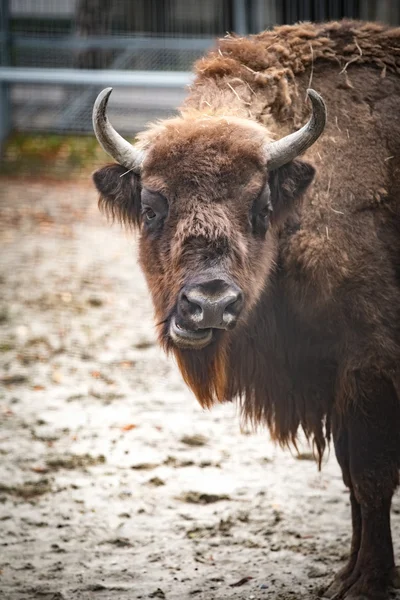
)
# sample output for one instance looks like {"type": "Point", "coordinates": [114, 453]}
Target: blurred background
{"type": "Point", "coordinates": [113, 482]}
{"type": "Point", "coordinates": [55, 57]}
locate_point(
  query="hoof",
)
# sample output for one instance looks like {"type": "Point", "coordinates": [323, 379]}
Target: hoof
{"type": "Point", "coordinates": [363, 597]}
{"type": "Point", "coordinates": [395, 578]}
{"type": "Point", "coordinates": [326, 595]}
{"type": "Point", "coordinates": [333, 589]}
{"type": "Point", "coordinates": [359, 590]}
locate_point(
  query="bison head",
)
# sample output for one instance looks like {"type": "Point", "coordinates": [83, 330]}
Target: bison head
{"type": "Point", "coordinates": [209, 195]}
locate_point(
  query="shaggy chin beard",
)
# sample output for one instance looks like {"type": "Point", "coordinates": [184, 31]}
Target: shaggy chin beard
{"type": "Point", "coordinates": [203, 369]}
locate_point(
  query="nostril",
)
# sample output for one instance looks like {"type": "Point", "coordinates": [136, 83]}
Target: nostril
{"type": "Point", "coordinates": [190, 308]}
{"type": "Point", "coordinates": [233, 307]}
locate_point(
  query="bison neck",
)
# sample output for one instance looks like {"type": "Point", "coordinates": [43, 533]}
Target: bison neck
{"type": "Point", "coordinates": [282, 368]}
{"type": "Point", "coordinates": [280, 365]}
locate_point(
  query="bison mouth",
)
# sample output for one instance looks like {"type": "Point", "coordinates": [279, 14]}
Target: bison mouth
{"type": "Point", "coordinates": [188, 338]}
{"type": "Point", "coordinates": [203, 310]}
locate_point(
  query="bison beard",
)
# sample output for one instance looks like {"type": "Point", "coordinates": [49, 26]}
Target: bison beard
{"type": "Point", "coordinates": [204, 371]}
{"type": "Point", "coordinates": [319, 348]}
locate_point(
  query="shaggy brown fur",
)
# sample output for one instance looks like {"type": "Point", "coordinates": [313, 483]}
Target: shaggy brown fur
{"type": "Point", "coordinates": [318, 342]}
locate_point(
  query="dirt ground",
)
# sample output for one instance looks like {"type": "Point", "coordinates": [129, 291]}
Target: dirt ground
{"type": "Point", "coordinates": [114, 483]}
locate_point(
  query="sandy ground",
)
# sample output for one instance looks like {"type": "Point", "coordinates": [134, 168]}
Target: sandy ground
{"type": "Point", "coordinates": [114, 484]}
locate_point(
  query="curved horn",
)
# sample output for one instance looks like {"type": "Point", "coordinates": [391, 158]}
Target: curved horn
{"type": "Point", "coordinates": [283, 151]}
{"type": "Point", "coordinates": [114, 144]}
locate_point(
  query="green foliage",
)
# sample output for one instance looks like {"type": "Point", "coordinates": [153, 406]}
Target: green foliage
{"type": "Point", "coordinates": [50, 155]}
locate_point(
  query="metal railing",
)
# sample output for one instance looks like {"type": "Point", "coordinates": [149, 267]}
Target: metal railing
{"type": "Point", "coordinates": [72, 89]}
{"type": "Point", "coordinates": [105, 78]}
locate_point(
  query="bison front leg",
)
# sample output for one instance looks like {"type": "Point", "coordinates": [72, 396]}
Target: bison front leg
{"type": "Point", "coordinates": [342, 450]}
{"type": "Point", "coordinates": [373, 427]}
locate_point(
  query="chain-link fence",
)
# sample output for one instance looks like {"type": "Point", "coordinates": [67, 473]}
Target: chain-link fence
{"type": "Point", "coordinates": [98, 34]}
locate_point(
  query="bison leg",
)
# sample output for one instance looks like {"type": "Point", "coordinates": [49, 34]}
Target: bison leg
{"type": "Point", "coordinates": [342, 450]}
{"type": "Point", "coordinates": [373, 445]}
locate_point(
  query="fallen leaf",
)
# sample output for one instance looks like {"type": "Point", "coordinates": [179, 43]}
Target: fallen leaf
{"type": "Point", "coordinates": [119, 542]}
{"type": "Point", "coordinates": [10, 379]}
{"type": "Point", "coordinates": [157, 594]}
{"type": "Point", "coordinates": [74, 461]}
{"type": "Point", "coordinates": [144, 344]}
{"type": "Point", "coordinates": [39, 469]}
{"type": "Point", "coordinates": [28, 489]}
{"type": "Point", "coordinates": [241, 581]}
{"type": "Point", "coordinates": [194, 440]}
{"type": "Point", "coordinates": [144, 466]}
{"type": "Point", "coordinates": [172, 461]}
{"type": "Point", "coordinates": [95, 301]}
{"type": "Point", "coordinates": [156, 482]}
{"type": "Point", "coordinates": [39, 388]}
{"type": "Point", "coordinates": [128, 427]}
{"type": "Point", "coordinates": [127, 364]}
{"type": "Point", "coordinates": [199, 498]}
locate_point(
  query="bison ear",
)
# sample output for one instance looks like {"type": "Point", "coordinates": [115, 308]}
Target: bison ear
{"type": "Point", "coordinates": [287, 185]}
{"type": "Point", "coordinates": [119, 194]}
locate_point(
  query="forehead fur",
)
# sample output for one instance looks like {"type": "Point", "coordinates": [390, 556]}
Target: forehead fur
{"type": "Point", "coordinates": [193, 151]}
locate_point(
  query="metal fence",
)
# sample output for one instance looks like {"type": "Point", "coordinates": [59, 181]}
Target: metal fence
{"type": "Point", "coordinates": [55, 56]}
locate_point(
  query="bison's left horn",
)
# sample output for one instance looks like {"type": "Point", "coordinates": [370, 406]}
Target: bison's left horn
{"type": "Point", "coordinates": [283, 151]}
{"type": "Point", "coordinates": [114, 144]}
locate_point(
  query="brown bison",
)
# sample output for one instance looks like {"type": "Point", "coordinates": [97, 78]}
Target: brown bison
{"type": "Point", "coordinates": [276, 280]}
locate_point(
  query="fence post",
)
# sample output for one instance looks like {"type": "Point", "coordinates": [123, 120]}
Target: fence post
{"type": "Point", "coordinates": [257, 20]}
{"type": "Point", "coordinates": [5, 110]}
{"type": "Point", "coordinates": [240, 17]}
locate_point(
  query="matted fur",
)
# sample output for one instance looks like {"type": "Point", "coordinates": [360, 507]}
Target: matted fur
{"type": "Point", "coordinates": [323, 295]}
{"type": "Point", "coordinates": [262, 69]}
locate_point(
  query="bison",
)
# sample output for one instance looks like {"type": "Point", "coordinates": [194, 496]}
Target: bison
{"type": "Point", "coordinates": [276, 279]}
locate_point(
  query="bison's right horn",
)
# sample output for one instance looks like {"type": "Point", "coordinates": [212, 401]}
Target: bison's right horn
{"type": "Point", "coordinates": [288, 148]}
{"type": "Point", "coordinates": [114, 144]}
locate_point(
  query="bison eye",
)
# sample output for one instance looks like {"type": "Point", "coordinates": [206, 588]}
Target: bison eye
{"type": "Point", "coordinates": [154, 209]}
{"type": "Point", "coordinates": [148, 213]}
{"type": "Point", "coordinates": [265, 212]}
{"type": "Point", "coordinates": [260, 212]}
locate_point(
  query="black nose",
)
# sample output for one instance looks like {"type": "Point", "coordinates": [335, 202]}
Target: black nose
{"type": "Point", "coordinates": [212, 304]}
